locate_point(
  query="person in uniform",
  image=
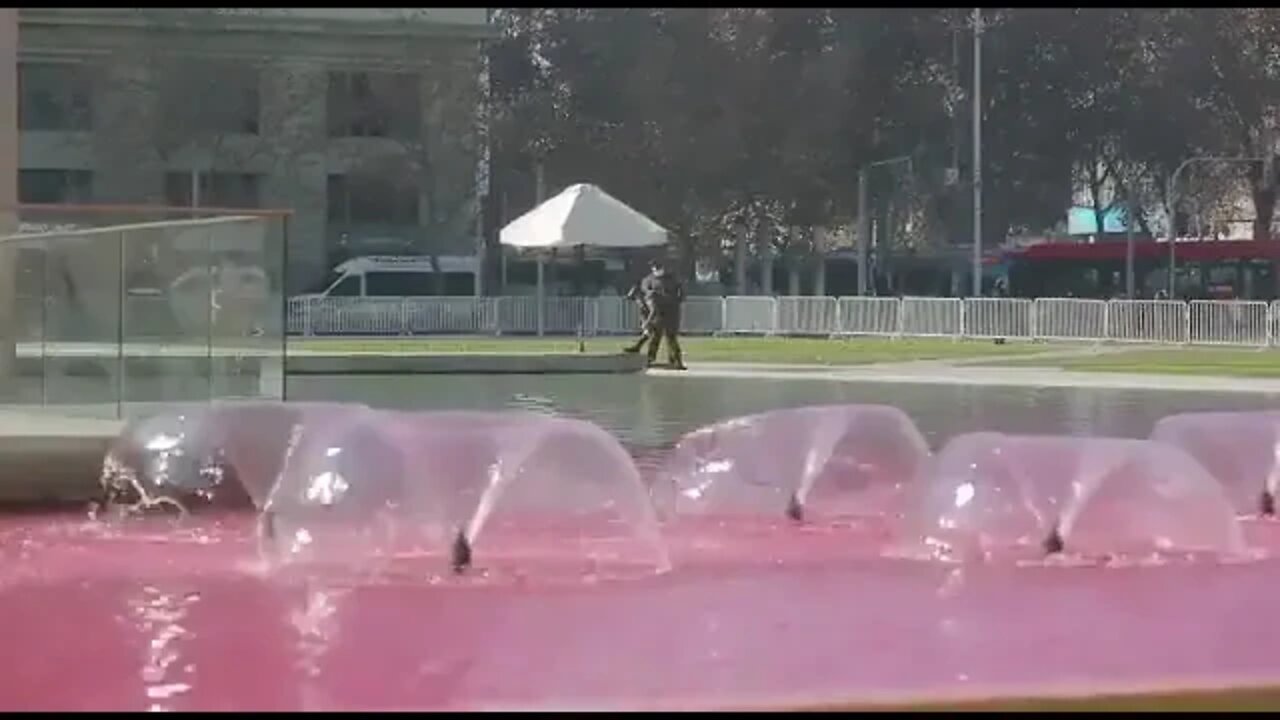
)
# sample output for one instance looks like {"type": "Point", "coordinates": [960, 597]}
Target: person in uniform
{"type": "Point", "coordinates": [663, 296]}
{"type": "Point", "coordinates": [646, 327]}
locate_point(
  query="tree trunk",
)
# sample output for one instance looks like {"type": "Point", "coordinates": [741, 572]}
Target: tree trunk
{"type": "Point", "coordinates": [1264, 210]}
{"type": "Point", "coordinates": [1096, 183]}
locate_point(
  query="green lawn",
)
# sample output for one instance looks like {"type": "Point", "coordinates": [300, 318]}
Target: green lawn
{"type": "Point", "coordinates": [783, 351]}
{"type": "Point", "coordinates": [1220, 362]}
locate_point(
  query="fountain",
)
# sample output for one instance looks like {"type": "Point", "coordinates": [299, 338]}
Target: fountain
{"type": "Point", "coordinates": [989, 495]}
{"type": "Point", "coordinates": [219, 453]}
{"type": "Point", "coordinates": [825, 461]}
{"type": "Point", "coordinates": [1240, 449]}
{"type": "Point", "coordinates": [516, 485]}
{"type": "Point", "coordinates": [465, 560]}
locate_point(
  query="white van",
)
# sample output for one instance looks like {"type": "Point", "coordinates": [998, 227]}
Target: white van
{"type": "Point", "coordinates": [400, 276]}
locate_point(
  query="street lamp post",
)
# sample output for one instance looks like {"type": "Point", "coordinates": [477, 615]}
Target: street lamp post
{"type": "Point", "coordinates": [864, 218]}
{"type": "Point", "coordinates": [1172, 201]}
{"type": "Point", "coordinates": [1130, 214]}
{"type": "Point", "coordinates": [977, 152]}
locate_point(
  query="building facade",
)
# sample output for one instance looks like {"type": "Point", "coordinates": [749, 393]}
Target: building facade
{"type": "Point", "coordinates": [366, 123]}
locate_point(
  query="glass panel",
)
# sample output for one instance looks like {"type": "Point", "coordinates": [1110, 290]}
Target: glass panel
{"type": "Point", "coordinates": [27, 261]}
{"type": "Point", "coordinates": [82, 321]}
{"type": "Point", "coordinates": [166, 317]}
{"type": "Point", "coordinates": [117, 320]}
{"type": "Point", "coordinates": [247, 336]}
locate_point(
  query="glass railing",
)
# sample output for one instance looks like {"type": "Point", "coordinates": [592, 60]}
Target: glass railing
{"type": "Point", "coordinates": [118, 309]}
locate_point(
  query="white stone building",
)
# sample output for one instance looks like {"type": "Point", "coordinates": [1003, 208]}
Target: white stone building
{"type": "Point", "coordinates": [364, 122]}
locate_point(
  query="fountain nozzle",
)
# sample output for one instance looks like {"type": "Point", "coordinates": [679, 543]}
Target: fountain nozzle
{"type": "Point", "coordinates": [795, 509]}
{"type": "Point", "coordinates": [460, 557]}
{"type": "Point", "coordinates": [1267, 504]}
{"type": "Point", "coordinates": [1053, 544]}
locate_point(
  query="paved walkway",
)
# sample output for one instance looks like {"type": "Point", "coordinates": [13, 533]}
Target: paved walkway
{"type": "Point", "coordinates": [969, 372]}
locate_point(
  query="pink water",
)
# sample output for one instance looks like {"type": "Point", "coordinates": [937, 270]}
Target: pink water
{"type": "Point", "coordinates": [147, 616]}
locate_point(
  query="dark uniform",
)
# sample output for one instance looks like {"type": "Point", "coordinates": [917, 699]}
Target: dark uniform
{"type": "Point", "coordinates": [661, 296]}
{"type": "Point", "coordinates": [634, 295]}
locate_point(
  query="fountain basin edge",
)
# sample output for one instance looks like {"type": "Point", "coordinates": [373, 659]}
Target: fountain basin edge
{"type": "Point", "coordinates": [322, 363]}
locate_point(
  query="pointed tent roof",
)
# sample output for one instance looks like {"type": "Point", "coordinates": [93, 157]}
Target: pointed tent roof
{"type": "Point", "coordinates": [582, 215]}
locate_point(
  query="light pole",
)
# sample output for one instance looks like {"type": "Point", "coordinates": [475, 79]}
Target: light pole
{"type": "Point", "coordinates": [1172, 201]}
{"type": "Point", "coordinates": [864, 218]}
{"type": "Point", "coordinates": [1130, 214]}
{"type": "Point", "coordinates": [977, 152]}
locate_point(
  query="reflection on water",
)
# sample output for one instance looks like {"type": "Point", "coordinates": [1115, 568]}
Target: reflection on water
{"type": "Point", "coordinates": [316, 624]}
{"type": "Point", "coordinates": [653, 411]}
{"type": "Point", "coordinates": [159, 617]}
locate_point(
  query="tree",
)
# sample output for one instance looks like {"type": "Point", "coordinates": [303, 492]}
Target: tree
{"type": "Point", "coordinates": [711, 119]}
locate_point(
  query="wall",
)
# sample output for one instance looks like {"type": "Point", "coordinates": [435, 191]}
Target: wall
{"type": "Point", "coordinates": [292, 151]}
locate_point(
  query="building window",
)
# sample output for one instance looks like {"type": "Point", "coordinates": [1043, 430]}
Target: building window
{"type": "Point", "coordinates": [371, 199]}
{"type": "Point", "coordinates": [54, 97]}
{"type": "Point", "coordinates": [213, 98]}
{"type": "Point", "coordinates": [218, 189]}
{"type": "Point", "coordinates": [374, 104]}
{"type": "Point", "coordinates": [55, 187]}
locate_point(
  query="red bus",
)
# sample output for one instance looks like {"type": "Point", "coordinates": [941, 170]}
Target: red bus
{"type": "Point", "coordinates": [1244, 269]}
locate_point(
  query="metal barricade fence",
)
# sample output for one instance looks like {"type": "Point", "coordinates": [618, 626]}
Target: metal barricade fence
{"type": "Point", "coordinates": [450, 316]}
{"type": "Point", "coordinates": [300, 316]}
{"type": "Point", "coordinates": [750, 315]}
{"type": "Point", "coordinates": [1236, 323]}
{"type": "Point", "coordinates": [560, 316]}
{"type": "Point", "coordinates": [932, 317]}
{"type": "Point", "coordinates": [356, 316]}
{"type": "Point", "coordinates": [999, 318]}
{"type": "Point", "coordinates": [1070, 319]}
{"type": "Point", "coordinates": [1229, 322]}
{"type": "Point", "coordinates": [807, 316]}
{"type": "Point", "coordinates": [1148, 321]}
{"type": "Point", "coordinates": [869, 316]}
{"type": "Point", "coordinates": [617, 316]}
{"type": "Point", "coordinates": [701, 315]}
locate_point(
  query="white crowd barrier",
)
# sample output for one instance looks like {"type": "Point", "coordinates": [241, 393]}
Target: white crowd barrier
{"type": "Point", "coordinates": [1200, 322]}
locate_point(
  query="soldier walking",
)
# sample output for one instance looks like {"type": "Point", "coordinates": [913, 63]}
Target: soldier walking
{"type": "Point", "coordinates": [661, 296]}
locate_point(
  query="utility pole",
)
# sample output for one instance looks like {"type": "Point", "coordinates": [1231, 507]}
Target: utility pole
{"type": "Point", "coordinates": [864, 215]}
{"type": "Point", "coordinates": [977, 152]}
{"type": "Point", "coordinates": [540, 190]}
{"type": "Point", "coordinates": [1130, 216]}
{"type": "Point", "coordinates": [864, 231]}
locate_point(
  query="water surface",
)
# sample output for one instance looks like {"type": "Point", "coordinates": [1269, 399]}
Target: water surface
{"type": "Point", "coordinates": [153, 616]}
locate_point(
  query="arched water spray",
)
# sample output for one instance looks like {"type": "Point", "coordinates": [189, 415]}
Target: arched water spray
{"type": "Point", "coordinates": [396, 486]}
{"type": "Point", "coordinates": [988, 496]}
{"type": "Point", "coordinates": [222, 453]}
{"type": "Point", "coordinates": [825, 437]}
{"type": "Point", "coordinates": [1090, 470]}
{"type": "Point", "coordinates": [831, 460]}
{"type": "Point", "coordinates": [544, 469]}
{"type": "Point", "coordinates": [1241, 450]}
{"type": "Point", "coordinates": [501, 472]}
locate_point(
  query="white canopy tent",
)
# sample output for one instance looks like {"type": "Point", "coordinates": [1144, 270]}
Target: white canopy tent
{"type": "Point", "coordinates": [582, 215]}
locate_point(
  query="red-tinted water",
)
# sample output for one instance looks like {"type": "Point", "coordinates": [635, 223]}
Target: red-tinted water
{"type": "Point", "coordinates": [151, 617]}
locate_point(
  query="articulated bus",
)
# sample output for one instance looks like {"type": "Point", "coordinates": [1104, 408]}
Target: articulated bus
{"type": "Point", "coordinates": [1222, 269]}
